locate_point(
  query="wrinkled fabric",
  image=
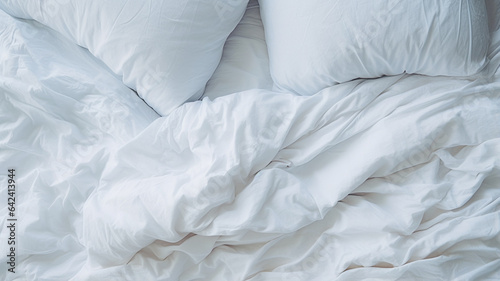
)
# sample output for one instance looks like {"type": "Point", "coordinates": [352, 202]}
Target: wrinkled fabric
{"type": "Point", "coordinates": [345, 180]}
{"type": "Point", "coordinates": [384, 179]}
{"type": "Point", "coordinates": [58, 124]}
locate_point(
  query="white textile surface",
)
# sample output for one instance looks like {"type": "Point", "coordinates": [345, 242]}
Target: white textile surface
{"type": "Point", "coordinates": [390, 181]}
{"type": "Point", "coordinates": [395, 178]}
{"type": "Point", "coordinates": [61, 113]}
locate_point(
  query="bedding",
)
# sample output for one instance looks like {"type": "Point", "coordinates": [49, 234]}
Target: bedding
{"type": "Point", "coordinates": [245, 63]}
{"type": "Point", "coordinates": [389, 178]}
{"type": "Point", "coordinates": [316, 44]}
{"type": "Point", "coordinates": [165, 50]}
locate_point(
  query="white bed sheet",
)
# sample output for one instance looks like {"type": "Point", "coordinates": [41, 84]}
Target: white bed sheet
{"type": "Point", "coordinates": [245, 62]}
{"type": "Point", "coordinates": [384, 179]}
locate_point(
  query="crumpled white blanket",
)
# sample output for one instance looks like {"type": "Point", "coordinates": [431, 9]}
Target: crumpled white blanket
{"type": "Point", "coordinates": [394, 177]}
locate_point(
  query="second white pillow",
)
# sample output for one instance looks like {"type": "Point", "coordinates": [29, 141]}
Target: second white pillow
{"type": "Point", "coordinates": [318, 43]}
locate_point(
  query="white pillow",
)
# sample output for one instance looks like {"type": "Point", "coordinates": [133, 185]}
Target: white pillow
{"type": "Point", "coordinates": [245, 63]}
{"type": "Point", "coordinates": [315, 44]}
{"type": "Point", "coordinates": [166, 50]}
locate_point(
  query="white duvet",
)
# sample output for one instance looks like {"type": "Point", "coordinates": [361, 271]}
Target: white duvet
{"type": "Point", "coordinates": [396, 178]}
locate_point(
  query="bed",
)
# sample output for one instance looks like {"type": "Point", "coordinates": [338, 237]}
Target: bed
{"type": "Point", "coordinates": [232, 140]}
